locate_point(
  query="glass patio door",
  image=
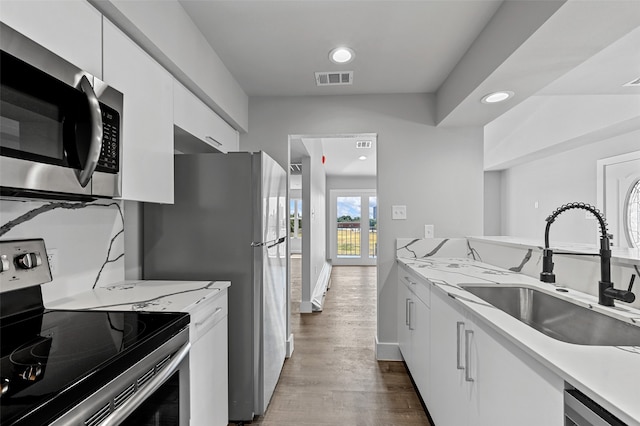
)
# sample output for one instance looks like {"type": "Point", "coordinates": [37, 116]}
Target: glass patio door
{"type": "Point", "coordinates": [354, 228]}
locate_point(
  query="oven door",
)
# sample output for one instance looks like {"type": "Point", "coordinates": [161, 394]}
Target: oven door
{"type": "Point", "coordinates": [153, 391]}
{"type": "Point", "coordinates": [59, 126]}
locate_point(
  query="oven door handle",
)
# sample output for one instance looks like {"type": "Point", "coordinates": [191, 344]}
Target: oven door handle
{"type": "Point", "coordinates": [95, 139]}
{"type": "Point", "coordinates": [119, 415]}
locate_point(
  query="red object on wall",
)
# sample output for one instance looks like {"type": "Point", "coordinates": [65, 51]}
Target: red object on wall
{"type": "Point", "coordinates": [323, 159]}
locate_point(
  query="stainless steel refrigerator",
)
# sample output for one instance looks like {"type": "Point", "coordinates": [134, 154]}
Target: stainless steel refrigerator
{"type": "Point", "coordinates": [229, 222]}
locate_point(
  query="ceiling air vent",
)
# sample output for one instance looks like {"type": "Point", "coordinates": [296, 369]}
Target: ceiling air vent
{"type": "Point", "coordinates": [295, 168]}
{"type": "Point", "coordinates": [363, 144]}
{"type": "Point", "coordinates": [341, 78]}
{"type": "Point", "coordinates": [633, 83]}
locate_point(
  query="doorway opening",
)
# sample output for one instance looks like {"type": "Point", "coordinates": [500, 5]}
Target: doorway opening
{"type": "Point", "coordinates": [321, 166]}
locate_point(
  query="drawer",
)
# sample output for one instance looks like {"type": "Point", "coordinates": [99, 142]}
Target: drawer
{"type": "Point", "coordinates": [417, 285]}
{"type": "Point", "coordinates": [207, 315]}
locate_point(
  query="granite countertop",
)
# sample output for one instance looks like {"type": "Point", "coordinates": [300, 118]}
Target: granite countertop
{"type": "Point", "coordinates": [144, 295]}
{"type": "Point", "coordinates": [610, 375]}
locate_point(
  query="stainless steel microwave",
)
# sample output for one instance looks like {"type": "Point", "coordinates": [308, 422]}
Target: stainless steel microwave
{"type": "Point", "coordinates": [60, 127]}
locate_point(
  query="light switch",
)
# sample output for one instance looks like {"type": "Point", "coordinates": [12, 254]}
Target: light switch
{"type": "Point", "coordinates": [398, 212]}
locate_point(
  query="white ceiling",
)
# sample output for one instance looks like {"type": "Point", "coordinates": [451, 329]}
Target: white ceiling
{"type": "Point", "coordinates": [273, 48]}
{"type": "Point", "coordinates": [457, 49]}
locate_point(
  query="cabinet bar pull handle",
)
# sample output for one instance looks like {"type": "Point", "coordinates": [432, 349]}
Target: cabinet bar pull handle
{"type": "Point", "coordinates": [209, 138]}
{"type": "Point", "coordinates": [468, 335]}
{"type": "Point", "coordinates": [406, 312]}
{"type": "Point", "coordinates": [459, 327]}
{"type": "Point", "coordinates": [410, 311]}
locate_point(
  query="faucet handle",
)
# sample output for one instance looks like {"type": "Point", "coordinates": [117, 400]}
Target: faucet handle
{"type": "Point", "coordinates": [633, 278]}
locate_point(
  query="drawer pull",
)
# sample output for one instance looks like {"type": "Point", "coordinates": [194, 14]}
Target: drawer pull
{"type": "Point", "coordinates": [468, 335]}
{"type": "Point", "coordinates": [459, 328]}
{"type": "Point", "coordinates": [217, 311]}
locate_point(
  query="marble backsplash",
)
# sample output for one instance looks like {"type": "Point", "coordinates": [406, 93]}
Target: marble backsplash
{"type": "Point", "coordinates": [580, 273]}
{"type": "Point", "coordinates": [85, 239]}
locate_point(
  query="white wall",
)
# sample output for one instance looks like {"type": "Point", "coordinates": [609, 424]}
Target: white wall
{"type": "Point", "coordinates": [547, 125]}
{"type": "Point", "coordinates": [437, 173]}
{"type": "Point", "coordinates": [314, 222]}
{"type": "Point", "coordinates": [555, 180]}
{"type": "Point", "coordinates": [351, 182]}
{"type": "Point", "coordinates": [493, 203]}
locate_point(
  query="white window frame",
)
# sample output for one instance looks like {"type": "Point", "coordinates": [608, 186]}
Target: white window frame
{"type": "Point", "coordinates": [332, 217]}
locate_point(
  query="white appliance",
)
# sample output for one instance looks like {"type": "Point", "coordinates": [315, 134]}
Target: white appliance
{"type": "Point", "coordinates": [229, 222]}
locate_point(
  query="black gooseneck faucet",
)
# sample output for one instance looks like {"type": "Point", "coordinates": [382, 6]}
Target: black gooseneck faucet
{"type": "Point", "coordinates": [606, 293]}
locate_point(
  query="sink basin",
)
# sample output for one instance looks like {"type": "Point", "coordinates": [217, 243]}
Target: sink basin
{"type": "Point", "coordinates": [558, 318]}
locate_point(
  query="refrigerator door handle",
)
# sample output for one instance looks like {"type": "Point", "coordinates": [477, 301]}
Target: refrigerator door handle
{"type": "Point", "coordinates": [269, 244]}
{"type": "Point", "coordinates": [278, 241]}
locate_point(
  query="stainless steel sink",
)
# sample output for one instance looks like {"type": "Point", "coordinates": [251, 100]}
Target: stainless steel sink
{"type": "Point", "coordinates": [558, 318]}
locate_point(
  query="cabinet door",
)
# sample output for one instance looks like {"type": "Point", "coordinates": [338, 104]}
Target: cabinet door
{"type": "Point", "coordinates": [449, 394]}
{"type": "Point", "coordinates": [147, 118]}
{"type": "Point", "coordinates": [70, 29]}
{"type": "Point", "coordinates": [404, 334]}
{"type": "Point", "coordinates": [208, 364]}
{"type": "Point", "coordinates": [511, 387]}
{"type": "Point", "coordinates": [420, 342]}
{"type": "Point", "coordinates": [197, 119]}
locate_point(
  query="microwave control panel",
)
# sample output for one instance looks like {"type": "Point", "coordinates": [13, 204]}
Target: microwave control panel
{"type": "Point", "coordinates": [110, 155]}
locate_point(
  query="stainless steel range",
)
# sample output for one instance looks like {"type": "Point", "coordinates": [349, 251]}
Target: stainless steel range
{"type": "Point", "coordinates": [81, 367]}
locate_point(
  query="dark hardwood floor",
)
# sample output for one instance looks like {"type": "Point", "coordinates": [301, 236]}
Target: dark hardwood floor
{"type": "Point", "coordinates": [333, 377]}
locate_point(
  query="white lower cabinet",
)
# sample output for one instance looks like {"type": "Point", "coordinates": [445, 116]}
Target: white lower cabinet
{"type": "Point", "coordinates": [414, 327]}
{"type": "Point", "coordinates": [479, 378]}
{"type": "Point", "coordinates": [208, 364]}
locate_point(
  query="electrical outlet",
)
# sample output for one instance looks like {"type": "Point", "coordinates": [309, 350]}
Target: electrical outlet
{"type": "Point", "coordinates": [398, 212]}
{"type": "Point", "coordinates": [52, 258]}
{"type": "Point", "coordinates": [428, 231]}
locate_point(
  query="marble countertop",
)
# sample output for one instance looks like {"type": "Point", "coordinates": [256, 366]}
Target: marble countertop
{"type": "Point", "coordinates": [609, 375]}
{"type": "Point", "coordinates": [618, 254]}
{"type": "Point", "coordinates": [144, 295]}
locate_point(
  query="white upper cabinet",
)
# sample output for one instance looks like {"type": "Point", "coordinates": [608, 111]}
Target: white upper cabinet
{"type": "Point", "coordinates": [200, 124]}
{"type": "Point", "coordinates": [147, 118]}
{"type": "Point", "coordinates": [70, 29]}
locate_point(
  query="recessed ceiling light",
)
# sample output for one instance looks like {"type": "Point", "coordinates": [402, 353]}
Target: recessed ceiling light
{"type": "Point", "coordinates": [495, 97]}
{"type": "Point", "coordinates": [362, 157]}
{"type": "Point", "coordinates": [341, 55]}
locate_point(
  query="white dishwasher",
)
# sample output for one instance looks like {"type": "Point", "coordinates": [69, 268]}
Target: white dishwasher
{"type": "Point", "coordinates": [208, 361]}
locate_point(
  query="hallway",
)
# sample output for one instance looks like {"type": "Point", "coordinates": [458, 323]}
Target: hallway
{"type": "Point", "coordinates": [333, 377]}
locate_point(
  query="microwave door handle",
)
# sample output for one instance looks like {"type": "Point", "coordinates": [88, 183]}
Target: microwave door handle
{"type": "Point", "coordinates": [95, 142]}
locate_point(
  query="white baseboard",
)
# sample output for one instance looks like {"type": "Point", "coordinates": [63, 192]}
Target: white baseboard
{"type": "Point", "coordinates": [387, 351]}
{"type": "Point", "coordinates": [321, 287]}
{"type": "Point", "coordinates": [306, 307]}
{"type": "Point", "coordinates": [289, 346]}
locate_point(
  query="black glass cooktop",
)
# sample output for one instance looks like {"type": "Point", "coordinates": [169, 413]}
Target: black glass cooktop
{"type": "Point", "coordinates": [51, 360]}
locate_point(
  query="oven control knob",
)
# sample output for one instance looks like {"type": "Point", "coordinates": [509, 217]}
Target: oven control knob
{"type": "Point", "coordinates": [28, 260]}
{"type": "Point", "coordinates": [4, 263]}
